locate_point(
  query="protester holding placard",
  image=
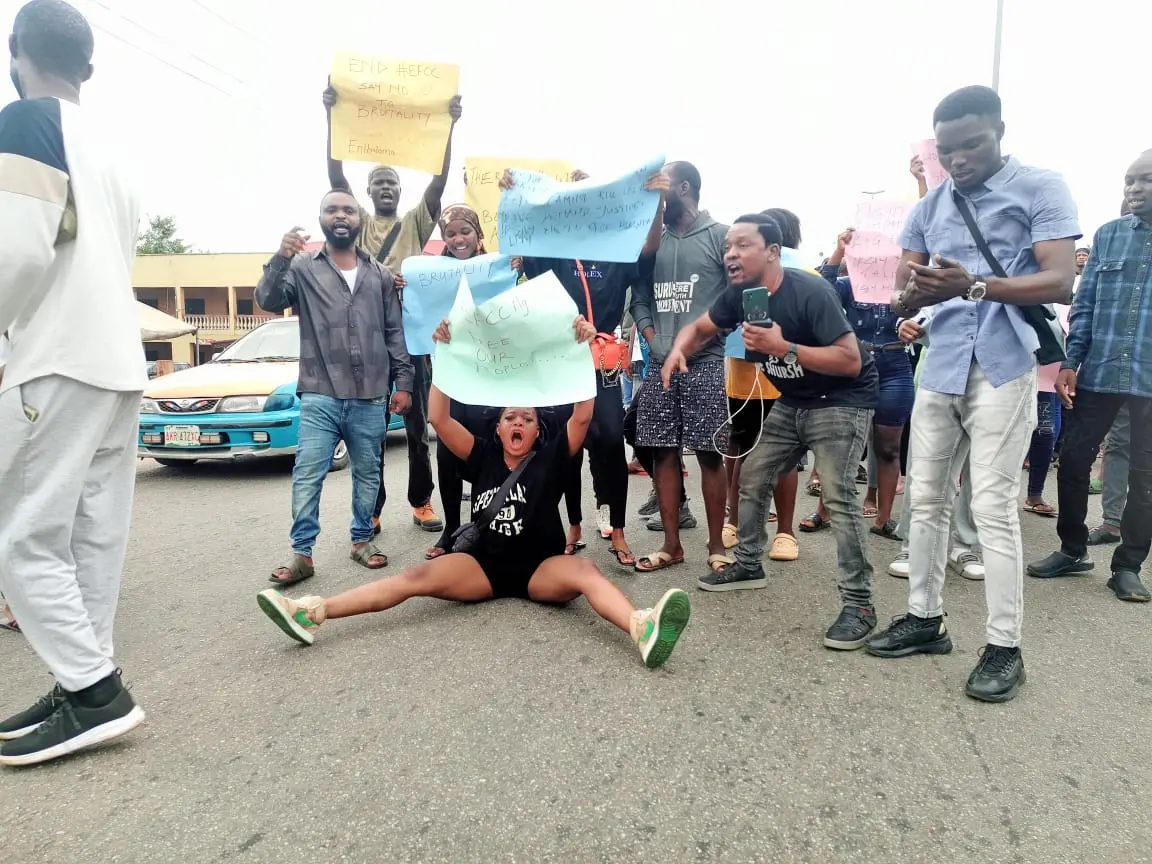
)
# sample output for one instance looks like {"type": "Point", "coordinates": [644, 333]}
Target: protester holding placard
{"type": "Point", "coordinates": [690, 410]}
{"type": "Point", "coordinates": [605, 285]}
{"type": "Point", "coordinates": [514, 545]}
{"type": "Point", "coordinates": [875, 326]}
{"type": "Point", "coordinates": [827, 385]}
{"type": "Point", "coordinates": [992, 242]}
{"type": "Point", "coordinates": [351, 349]}
{"type": "Point", "coordinates": [390, 239]}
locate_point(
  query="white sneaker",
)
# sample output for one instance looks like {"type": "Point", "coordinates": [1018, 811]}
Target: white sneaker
{"type": "Point", "coordinates": [656, 631]}
{"type": "Point", "coordinates": [604, 521]}
{"type": "Point", "coordinates": [899, 567]}
{"type": "Point", "coordinates": [967, 564]}
{"type": "Point", "coordinates": [300, 619]}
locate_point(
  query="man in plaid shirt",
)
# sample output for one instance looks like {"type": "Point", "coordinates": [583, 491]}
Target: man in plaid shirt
{"type": "Point", "coordinates": [1109, 366]}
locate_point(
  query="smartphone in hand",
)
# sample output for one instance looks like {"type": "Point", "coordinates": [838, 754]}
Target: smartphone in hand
{"type": "Point", "coordinates": [757, 314]}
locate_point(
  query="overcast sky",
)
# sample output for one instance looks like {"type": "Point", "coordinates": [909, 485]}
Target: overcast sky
{"type": "Point", "coordinates": [797, 105]}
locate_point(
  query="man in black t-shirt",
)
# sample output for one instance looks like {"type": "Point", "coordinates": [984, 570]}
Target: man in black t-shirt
{"type": "Point", "coordinates": [828, 391]}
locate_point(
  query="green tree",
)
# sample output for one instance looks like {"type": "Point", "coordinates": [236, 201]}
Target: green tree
{"type": "Point", "coordinates": [160, 238]}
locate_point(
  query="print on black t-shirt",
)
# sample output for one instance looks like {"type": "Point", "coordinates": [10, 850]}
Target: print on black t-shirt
{"type": "Point", "coordinates": [528, 527]}
{"type": "Point", "coordinates": [808, 312]}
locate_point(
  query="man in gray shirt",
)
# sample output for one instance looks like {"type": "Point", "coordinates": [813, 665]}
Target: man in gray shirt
{"type": "Point", "coordinates": [351, 344]}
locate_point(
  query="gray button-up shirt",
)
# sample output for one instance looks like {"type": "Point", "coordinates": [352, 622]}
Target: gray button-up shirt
{"type": "Point", "coordinates": [1015, 208]}
{"type": "Point", "coordinates": [351, 342]}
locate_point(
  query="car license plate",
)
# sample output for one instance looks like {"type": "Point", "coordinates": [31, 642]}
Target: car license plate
{"type": "Point", "coordinates": [181, 436]}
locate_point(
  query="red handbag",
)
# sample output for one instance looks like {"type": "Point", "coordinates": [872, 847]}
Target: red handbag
{"type": "Point", "coordinates": [609, 354]}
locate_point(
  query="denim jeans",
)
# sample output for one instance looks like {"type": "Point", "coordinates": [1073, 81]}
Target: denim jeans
{"type": "Point", "coordinates": [1048, 417]}
{"type": "Point", "coordinates": [964, 538]}
{"type": "Point", "coordinates": [1114, 471]}
{"type": "Point", "coordinates": [991, 427]}
{"type": "Point", "coordinates": [836, 437]}
{"type": "Point", "coordinates": [324, 421]}
{"type": "Point", "coordinates": [1088, 423]}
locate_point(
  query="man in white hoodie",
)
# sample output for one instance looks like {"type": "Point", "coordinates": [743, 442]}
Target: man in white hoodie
{"type": "Point", "coordinates": [70, 394]}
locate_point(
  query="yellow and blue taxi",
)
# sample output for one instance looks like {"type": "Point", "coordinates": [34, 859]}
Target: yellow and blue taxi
{"type": "Point", "coordinates": [241, 404]}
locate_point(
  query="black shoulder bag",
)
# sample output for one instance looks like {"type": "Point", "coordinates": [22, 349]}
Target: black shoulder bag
{"type": "Point", "coordinates": [1041, 317]}
{"type": "Point", "coordinates": [465, 538]}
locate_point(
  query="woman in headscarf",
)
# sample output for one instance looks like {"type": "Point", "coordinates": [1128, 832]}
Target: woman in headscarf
{"type": "Point", "coordinates": [463, 239]}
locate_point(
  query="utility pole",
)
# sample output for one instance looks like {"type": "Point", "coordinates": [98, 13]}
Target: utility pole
{"type": "Point", "coordinates": [996, 47]}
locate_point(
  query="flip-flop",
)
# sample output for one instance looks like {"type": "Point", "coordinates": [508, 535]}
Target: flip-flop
{"type": "Point", "coordinates": [619, 554]}
{"type": "Point", "coordinates": [730, 535]}
{"type": "Point", "coordinates": [1046, 510]}
{"type": "Point", "coordinates": [717, 562]}
{"type": "Point", "coordinates": [814, 523]}
{"type": "Point", "coordinates": [11, 626]}
{"type": "Point", "coordinates": [434, 552]}
{"type": "Point", "coordinates": [656, 561]}
{"type": "Point", "coordinates": [772, 517]}
{"type": "Point", "coordinates": [366, 553]}
{"type": "Point", "coordinates": [573, 548]}
{"type": "Point", "coordinates": [869, 511]}
{"type": "Point", "coordinates": [887, 530]}
{"type": "Point", "coordinates": [814, 488]}
{"type": "Point", "coordinates": [298, 571]}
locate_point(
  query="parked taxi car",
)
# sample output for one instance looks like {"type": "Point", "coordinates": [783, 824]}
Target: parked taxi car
{"type": "Point", "coordinates": [241, 404]}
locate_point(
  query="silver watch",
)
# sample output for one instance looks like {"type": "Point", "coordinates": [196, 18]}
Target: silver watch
{"type": "Point", "coordinates": [976, 292]}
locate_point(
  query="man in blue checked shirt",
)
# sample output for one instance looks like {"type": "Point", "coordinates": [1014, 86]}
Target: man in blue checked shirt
{"type": "Point", "coordinates": [1109, 367]}
{"type": "Point", "coordinates": [977, 395]}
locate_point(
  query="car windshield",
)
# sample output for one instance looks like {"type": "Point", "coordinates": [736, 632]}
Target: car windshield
{"type": "Point", "coordinates": [278, 340]}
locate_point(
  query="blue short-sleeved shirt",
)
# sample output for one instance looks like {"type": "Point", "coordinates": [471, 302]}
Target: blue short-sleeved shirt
{"type": "Point", "coordinates": [1015, 208]}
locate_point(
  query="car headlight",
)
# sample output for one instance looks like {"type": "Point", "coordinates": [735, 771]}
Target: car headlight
{"type": "Point", "coordinates": [149, 406]}
{"type": "Point", "coordinates": [279, 402]}
{"type": "Point", "coordinates": [242, 404]}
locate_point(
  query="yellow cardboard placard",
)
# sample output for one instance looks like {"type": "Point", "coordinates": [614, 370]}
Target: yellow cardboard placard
{"type": "Point", "coordinates": [391, 110]}
{"type": "Point", "coordinates": [482, 192]}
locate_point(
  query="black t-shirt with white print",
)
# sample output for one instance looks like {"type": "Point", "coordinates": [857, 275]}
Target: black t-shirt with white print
{"type": "Point", "coordinates": [808, 312]}
{"type": "Point", "coordinates": [528, 528]}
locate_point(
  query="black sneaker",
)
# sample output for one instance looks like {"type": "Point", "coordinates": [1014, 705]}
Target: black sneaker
{"type": "Point", "coordinates": [73, 727]}
{"type": "Point", "coordinates": [908, 635]}
{"type": "Point", "coordinates": [734, 577]}
{"type": "Point", "coordinates": [998, 675]}
{"type": "Point", "coordinates": [650, 507]}
{"type": "Point", "coordinates": [26, 721]}
{"type": "Point", "coordinates": [851, 628]}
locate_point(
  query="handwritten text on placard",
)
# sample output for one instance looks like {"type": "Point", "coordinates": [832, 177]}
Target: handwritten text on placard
{"type": "Point", "coordinates": [518, 348]}
{"type": "Point", "coordinates": [482, 190]}
{"type": "Point", "coordinates": [595, 219]}
{"type": "Point", "coordinates": [391, 110]}
{"type": "Point", "coordinates": [874, 253]}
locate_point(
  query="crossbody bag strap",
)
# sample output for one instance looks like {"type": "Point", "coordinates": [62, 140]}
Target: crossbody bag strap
{"type": "Point", "coordinates": [389, 242]}
{"type": "Point", "coordinates": [587, 292]}
{"type": "Point", "coordinates": [974, 230]}
{"type": "Point", "coordinates": [497, 504]}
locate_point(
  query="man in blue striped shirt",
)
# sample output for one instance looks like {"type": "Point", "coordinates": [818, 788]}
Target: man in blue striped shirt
{"type": "Point", "coordinates": [977, 396]}
{"type": "Point", "coordinates": [1109, 366]}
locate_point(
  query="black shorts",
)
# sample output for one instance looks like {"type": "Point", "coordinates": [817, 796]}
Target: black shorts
{"type": "Point", "coordinates": [747, 420]}
{"type": "Point", "coordinates": [507, 578]}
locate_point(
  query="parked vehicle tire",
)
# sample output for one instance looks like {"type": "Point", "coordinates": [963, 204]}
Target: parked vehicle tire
{"type": "Point", "coordinates": [177, 463]}
{"type": "Point", "coordinates": [340, 459]}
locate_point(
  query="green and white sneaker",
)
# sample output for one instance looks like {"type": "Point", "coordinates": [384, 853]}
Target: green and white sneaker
{"type": "Point", "coordinates": [656, 631]}
{"type": "Point", "coordinates": [300, 619]}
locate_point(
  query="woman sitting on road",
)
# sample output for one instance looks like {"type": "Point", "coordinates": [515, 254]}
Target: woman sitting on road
{"type": "Point", "coordinates": [520, 552]}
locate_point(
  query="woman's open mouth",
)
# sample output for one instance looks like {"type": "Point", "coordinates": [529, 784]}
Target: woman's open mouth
{"type": "Point", "coordinates": [517, 437]}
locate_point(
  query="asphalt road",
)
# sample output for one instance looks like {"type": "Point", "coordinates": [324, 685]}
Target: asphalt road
{"type": "Point", "coordinates": [509, 732]}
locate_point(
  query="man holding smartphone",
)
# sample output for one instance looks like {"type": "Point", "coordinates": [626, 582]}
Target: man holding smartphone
{"type": "Point", "coordinates": [828, 390]}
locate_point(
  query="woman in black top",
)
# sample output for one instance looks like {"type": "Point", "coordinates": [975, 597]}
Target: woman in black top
{"type": "Point", "coordinates": [520, 553]}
